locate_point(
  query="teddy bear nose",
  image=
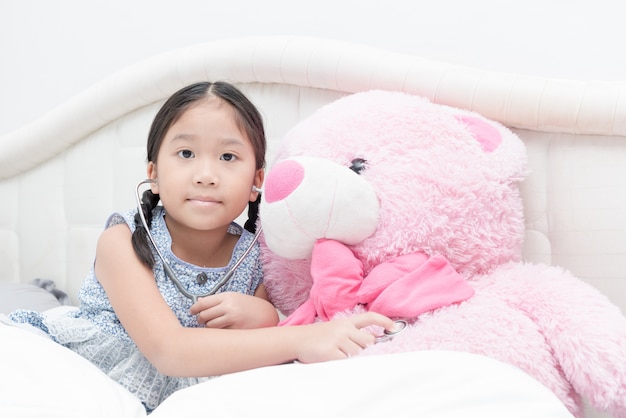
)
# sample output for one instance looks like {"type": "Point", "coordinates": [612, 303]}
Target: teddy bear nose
{"type": "Point", "coordinates": [282, 180]}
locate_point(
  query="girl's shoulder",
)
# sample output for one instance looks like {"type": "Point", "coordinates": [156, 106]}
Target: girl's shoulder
{"type": "Point", "coordinates": [128, 217]}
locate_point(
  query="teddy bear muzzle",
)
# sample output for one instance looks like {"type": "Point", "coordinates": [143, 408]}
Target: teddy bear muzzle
{"type": "Point", "coordinates": [309, 198]}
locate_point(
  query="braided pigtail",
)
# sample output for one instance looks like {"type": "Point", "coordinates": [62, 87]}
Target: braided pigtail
{"type": "Point", "coordinates": [253, 214]}
{"type": "Point", "coordinates": [140, 240]}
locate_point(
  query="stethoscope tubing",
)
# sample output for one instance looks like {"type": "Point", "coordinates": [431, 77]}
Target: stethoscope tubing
{"type": "Point", "coordinates": [168, 270]}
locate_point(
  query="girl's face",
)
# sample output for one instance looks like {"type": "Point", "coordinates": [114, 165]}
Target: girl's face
{"type": "Point", "coordinates": [205, 167]}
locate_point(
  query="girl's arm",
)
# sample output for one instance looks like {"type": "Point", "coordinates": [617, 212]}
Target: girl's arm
{"type": "Point", "coordinates": [236, 310]}
{"type": "Point", "coordinates": [179, 351]}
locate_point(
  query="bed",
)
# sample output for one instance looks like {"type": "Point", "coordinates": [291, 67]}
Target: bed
{"type": "Point", "coordinates": [62, 174]}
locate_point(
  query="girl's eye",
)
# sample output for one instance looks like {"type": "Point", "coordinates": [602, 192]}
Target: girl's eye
{"type": "Point", "coordinates": [186, 153]}
{"type": "Point", "coordinates": [228, 157]}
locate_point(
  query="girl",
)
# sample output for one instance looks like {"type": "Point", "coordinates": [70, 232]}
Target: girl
{"type": "Point", "coordinates": [206, 150]}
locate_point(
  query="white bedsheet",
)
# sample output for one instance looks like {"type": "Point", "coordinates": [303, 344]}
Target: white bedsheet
{"type": "Point", "coordinates": [43, 379]}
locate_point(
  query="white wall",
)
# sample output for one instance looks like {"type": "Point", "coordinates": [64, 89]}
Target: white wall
{"type": "Point", "coordinates": [52, 49]}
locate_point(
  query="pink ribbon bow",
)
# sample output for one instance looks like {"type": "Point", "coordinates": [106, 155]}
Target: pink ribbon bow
{"type": "Point", "coordinates": [405, 286]}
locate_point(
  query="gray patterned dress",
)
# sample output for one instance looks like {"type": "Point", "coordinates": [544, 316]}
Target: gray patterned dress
{"type": "Point", "coordinates": [95, 332]}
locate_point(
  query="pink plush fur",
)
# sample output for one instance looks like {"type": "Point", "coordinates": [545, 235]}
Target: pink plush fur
{"type": "Point", "coordinates": [447, 183]}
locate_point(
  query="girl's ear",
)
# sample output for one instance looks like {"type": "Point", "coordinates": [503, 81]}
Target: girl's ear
{"type": "Point", "coordinates": [152, 174]}
{"type": "Point", "coordinates": [257, 184]}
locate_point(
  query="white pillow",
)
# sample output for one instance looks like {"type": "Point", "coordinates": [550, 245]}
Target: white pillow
{"type": "Point", "coordinates": [26, 296]}
{"type": "Point", "coordinates": [426, 384]}
{"type": "Point", "coordinates": [41, 378]}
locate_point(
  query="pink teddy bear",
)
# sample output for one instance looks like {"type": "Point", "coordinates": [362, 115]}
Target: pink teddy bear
{"type": "Point", "coordinates": [384, 201]}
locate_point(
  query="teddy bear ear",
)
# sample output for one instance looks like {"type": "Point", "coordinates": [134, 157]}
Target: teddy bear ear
{"type": "Point", "coordinates": [485, 133]}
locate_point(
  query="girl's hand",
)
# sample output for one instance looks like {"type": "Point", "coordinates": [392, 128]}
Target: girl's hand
{"type": "Point", "coordinates": [340, 338]}
{"type": "Point", "coordinates": [234, 310]}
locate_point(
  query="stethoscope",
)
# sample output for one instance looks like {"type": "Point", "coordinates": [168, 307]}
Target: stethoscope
{"type": "Point", "coordinates": [168, 270]}
{"type": "Point", "coordinates": [401, 325]}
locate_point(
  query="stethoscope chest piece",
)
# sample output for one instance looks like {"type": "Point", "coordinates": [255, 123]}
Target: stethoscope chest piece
{"type": "Point", "coordinates": [401, 325]}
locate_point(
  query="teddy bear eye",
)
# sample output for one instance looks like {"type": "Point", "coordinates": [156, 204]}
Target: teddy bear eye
{"type": "Point", "coordinates": [358, 165]}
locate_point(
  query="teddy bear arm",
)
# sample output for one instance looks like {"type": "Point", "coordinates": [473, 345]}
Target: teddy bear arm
{"type": "Point", "coordinates": [585, 331]}
{"type": "Point", "coordinates": [337, 276]}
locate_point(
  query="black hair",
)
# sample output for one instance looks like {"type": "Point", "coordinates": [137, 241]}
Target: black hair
{"type": "Point", "coordinates": [249, 121]}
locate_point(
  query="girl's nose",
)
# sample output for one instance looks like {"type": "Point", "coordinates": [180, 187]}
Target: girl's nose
{"type": "Point", "coordinates": [205, 173]}
{"type": "Point", "coordinates": [282, 180]}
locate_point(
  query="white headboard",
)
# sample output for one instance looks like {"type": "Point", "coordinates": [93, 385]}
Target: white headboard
{"type": "Point", "coordinates": [63, 174]}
